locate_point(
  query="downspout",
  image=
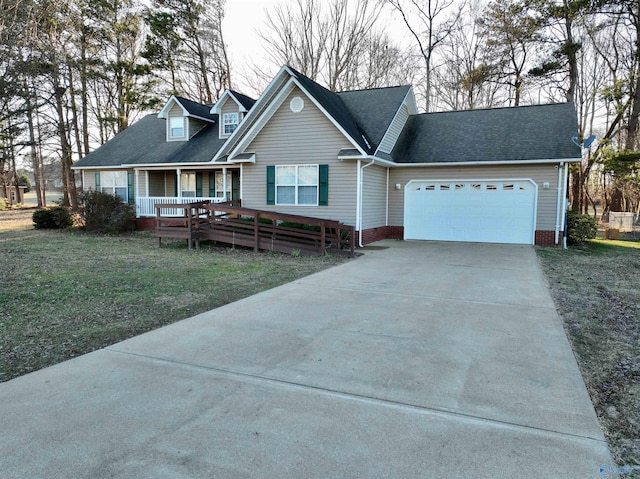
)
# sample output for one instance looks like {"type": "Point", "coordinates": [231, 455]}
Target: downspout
{"type": "Point", "coordinates": [386, 214]}
{"type": "Point", "coordinates": [358, 188]}
{"type": "Point", "coordinates": [559, 204]}
{"type": "Point", "coordinates": [564, 208]}
{"type": "Point", "coordinates": [360, 192]}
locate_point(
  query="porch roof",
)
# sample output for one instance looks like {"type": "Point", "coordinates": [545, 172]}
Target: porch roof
{"type": "Point", "coordinates": [145, 142]}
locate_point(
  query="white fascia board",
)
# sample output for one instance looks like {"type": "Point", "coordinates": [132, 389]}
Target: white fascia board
{"type": "Point", "coordinates": [117, 167]}
{"type": "Point", "coordinates": [489, 163]}
{"type": "Point", "coordinates": [411, 109]}
{"type": "Point", "coordinates": [374, 159]}
{"type": "Point", "coordinates": [208, 120]}
{"type": "Point", "coordinates": [165, 109]}
{"type": "Point", "coordinates": [167, 166]}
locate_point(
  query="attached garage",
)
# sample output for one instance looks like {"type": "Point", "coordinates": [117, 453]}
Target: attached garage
{"type": "Point", "coordinates": [483, 211]}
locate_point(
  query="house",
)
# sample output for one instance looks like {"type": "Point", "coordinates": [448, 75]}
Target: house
{"type": "Point", "coordinates": [366, 158]}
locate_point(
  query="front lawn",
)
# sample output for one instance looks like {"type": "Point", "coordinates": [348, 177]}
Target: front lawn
{"type": "Point", "coordinates": [596, 289]}
{"type": "Point", "coordinates": [64, 293]}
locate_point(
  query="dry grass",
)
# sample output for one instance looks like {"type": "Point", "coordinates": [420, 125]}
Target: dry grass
{"type": "Point", "coordinates": [596, 289]}
{"type": "Point", "coordinates": [64, 293]}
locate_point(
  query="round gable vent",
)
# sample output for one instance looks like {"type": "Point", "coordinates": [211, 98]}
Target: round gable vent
{"type": "Point", "coordinates": [297, 104]}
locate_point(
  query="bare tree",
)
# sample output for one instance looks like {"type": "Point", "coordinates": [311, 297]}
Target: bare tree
{"type": "Point", "coordinates": [429, 27]}
{"type": "Point", "coordinates": [335, 42]}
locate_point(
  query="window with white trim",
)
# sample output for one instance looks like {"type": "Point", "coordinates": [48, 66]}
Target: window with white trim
{"type": "Point", "coordinates": [220, 184]}
{"type": "Point", "coordinates": [297, 185]}
{"type": "Point", "coordinates": [115, 183]}
{"type": "Point", "coordinates": [176, 127]}
{"type": "Point", "coordinates": [229, 122]}
{"type": "Point", "coordinates": [188, 184]}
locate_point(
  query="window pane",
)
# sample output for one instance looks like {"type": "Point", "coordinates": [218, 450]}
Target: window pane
{"type": "Point", "coordinates": [176, 127]}
{"type": "Point", "coordinates": [120, 178]}
{"type": "Point", "coordinates": [106, 178]}
{"type": "Point", "coordinates": [188, 181]}
{"type": "Point", "coordinates": [286, 175]}
{"type": "Point", "coordinates": [229, 122]}
{"type": "Point", "coordinates": [122, 193]}
{"type": "Point", "coordinates": [188, 194]}
{"type": "Point", "coordinates": [307, 195]}
{"type": "Point", "coordinates": [307, 175]}
{"type": "Point", "coordinates": [286, 195]}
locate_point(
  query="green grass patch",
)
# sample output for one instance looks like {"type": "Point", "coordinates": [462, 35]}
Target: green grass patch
{"type": "Point", "coordinates": [64, 293]}
{"type": "Point", "coordinates": [596, 288]}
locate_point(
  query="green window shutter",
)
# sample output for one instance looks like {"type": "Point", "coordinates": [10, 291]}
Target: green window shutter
{"type": "Point", "coordinates": [271, 185]}
{"type": "Point", "coordinates": [235, 185]}
{"type": "Point", "coordinates": [199, 184]}
{"type": "Point", "coordinates": [130, 188]}
{"type": "Point", "coordinates": [97, 181]}
{"type": "Point", "coordinates": [323, 183]}
{"type": "Point", "coordinates": [212, 184]}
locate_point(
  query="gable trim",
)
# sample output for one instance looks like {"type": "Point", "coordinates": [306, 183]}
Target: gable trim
{"type": "Point", "coordinates": [215, 109]}
{"type": "Point", "coordinates": [260, 122]}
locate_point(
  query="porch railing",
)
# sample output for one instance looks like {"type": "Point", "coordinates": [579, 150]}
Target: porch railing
{"type": "Point", "coordinates": [146, 205]}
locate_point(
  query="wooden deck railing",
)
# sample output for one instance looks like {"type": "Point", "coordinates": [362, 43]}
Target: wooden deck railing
{"type": "Point", "coordinates": [232, 224]}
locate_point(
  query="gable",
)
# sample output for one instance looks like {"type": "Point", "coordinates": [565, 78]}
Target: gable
{"type": "Point", "coordinates": [306, 134]}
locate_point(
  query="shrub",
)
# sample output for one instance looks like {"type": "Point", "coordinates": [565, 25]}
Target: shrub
{"type": "Point", "coordinates": [580, 228]}
{"type": "Point", "coordinates": [4, 204]}
{"type": "Point", "coordinates": [24, 181]}
{"type": "Point", "coordinates": [105, 213]}
{"type": "Point", "coordinates": [56, 217]}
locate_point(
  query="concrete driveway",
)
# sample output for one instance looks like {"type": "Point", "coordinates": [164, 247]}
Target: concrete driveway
{"type": "Point", "coordinates": [418, 359]}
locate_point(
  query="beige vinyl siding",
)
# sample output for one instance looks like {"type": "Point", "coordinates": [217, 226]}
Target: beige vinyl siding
{"type": "Point", "coordinates": [156, 183]}
{"type": "Point", "coordinates": [392, 134]}
{"type": "Point", "coordinates": [89, 180]}
{"type": "Point", "coordinates": [195, 126]}
{"type": "Point", "coordinates": [547, 198]}
{"type": "Point", "coordinates": [307, 137]}
{"type": "Point", "coordinates": [374, 197]}
{"type": "Point", "coordinates": [174, 112]}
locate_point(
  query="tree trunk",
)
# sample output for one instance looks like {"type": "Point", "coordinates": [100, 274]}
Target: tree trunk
{"type": "Point", "coordinates": [35, 160]}
{"type": "Point", "coordinates": [70, 197]}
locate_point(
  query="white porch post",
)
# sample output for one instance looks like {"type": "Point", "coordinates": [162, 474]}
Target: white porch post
{"type": "Point", "coordinates": [146, 182]}
{"type": "Point", "coordinates": [179, 182]}
{"type": "Point", "coordinates": [224, 182]}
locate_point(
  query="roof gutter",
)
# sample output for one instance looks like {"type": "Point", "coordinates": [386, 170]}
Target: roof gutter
{"type": "Point", "coordinates": [380, 161]}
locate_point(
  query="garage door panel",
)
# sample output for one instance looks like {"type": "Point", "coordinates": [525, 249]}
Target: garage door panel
{"type": "Point", "coordinates": [495, 211]}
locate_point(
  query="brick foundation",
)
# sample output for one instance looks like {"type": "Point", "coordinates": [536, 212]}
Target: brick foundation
{"type": "Point", "coordinates": [145, 224]}
{"type": "Point", "coordinates": [383, 232]}
{"type": "Point", "coordinates": [542, 238]}
{"type": "Point", "coordinates": [547, 238]}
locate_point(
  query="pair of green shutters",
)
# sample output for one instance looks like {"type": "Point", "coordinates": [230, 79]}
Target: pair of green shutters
{"type": "Point", "coordinates": [323, 185]}
{"type": "Point", "coordinates": [130, 187]}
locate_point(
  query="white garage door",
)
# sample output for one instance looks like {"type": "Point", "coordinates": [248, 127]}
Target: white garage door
{"type": "Point", "coordinates": [484, 211]}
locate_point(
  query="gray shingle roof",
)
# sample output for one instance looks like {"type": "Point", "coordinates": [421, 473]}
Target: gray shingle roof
{"type": "Point", "coordinates": [145, 142]}
{"type": "Point", "coordinates": [499, 134]}
{"type": "Point", "coordinates": [373, 110]}
{"type": "Point", "coordinates": [246, 101]}
{"type": "Point", "coordinates": [197, 109]}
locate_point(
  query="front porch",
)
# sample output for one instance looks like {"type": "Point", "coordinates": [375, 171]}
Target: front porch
{"type": "Point", "coordinates": [181, 186]}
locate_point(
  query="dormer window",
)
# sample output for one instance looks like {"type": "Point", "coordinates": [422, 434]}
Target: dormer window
{"type": "Point", "coordinates": [176, 127]}
{"type": "Point", "coordinates": [229, 123]}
